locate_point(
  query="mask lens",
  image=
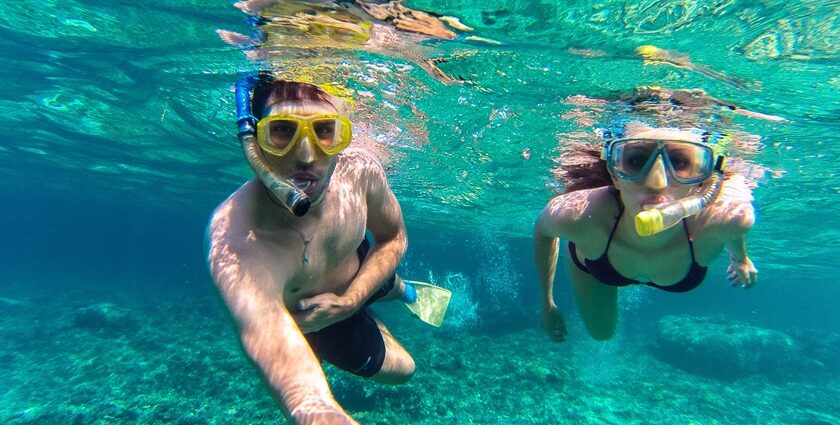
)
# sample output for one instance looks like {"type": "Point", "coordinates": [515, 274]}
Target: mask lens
{"type": "Point", "coordinates": [631, 158]}
{"type": "Point", "coordinates": [282, 132]}
{"type": "Point", "coordinates": [326, 132]}
{"type": "Point", "coordinates": [690, 162]}
{"type": "Point", "coordinates": [333, 134]}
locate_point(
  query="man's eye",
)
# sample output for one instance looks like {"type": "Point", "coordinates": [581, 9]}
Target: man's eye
{"type": "Point", "coordinates": [324, 130]}
{"type": "Point", "coordinates": [283, 130]}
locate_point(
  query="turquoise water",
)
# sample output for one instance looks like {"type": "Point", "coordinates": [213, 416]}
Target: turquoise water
{"type": "Point", "coordinates": [118, 125]}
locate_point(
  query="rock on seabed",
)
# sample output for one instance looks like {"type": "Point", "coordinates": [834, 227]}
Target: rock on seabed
{"type": "Point", "coordinates": [726, 349]}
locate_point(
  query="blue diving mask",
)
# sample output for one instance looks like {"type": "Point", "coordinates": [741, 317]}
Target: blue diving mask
{"type": "Point", "coordinates": [686, 162]}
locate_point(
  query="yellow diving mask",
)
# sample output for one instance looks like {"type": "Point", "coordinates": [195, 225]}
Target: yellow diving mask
{"type": "Point", "coordinates": [279, 134]}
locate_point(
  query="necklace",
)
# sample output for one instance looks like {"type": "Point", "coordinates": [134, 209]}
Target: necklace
{"type": "Point", "coordinates": [305, 257]}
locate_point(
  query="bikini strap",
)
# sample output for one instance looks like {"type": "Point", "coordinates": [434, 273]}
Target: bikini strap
{"type": "Point", "coordinates": [614, 192]}
{"type": "Point", "coordinates": [690, 240]}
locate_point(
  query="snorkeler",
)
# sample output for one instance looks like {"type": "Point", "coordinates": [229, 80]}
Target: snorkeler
{"type": "Point", "coordinates": [653, 55]}
{"type": "Point", "coordinates": [289, 254]}
{"type": "Point", "coordinates": [653, 170]}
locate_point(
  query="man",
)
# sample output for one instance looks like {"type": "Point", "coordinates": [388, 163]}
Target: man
{"type": "Point", "coordinates": [297, 286]}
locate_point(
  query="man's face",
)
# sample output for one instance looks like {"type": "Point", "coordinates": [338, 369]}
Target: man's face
{"type": "Point", "coordinates": [305, 165]}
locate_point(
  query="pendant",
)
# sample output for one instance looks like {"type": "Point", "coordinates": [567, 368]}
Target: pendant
{"type": "Point", "coordinates": [305, 258]}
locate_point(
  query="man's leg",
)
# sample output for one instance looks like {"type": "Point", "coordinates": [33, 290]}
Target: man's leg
{"type": "Point", "coordinates": [363, 346]}
{"type": "Point", "coordinates": [396, 291]}
{"type": "Point", "coordinates": [398, 366]}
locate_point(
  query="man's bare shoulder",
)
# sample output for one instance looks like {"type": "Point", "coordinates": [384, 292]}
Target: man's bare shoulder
{"type": "Point", "coordinates": [360, 168]}
{"type": "Point", "coordinates": [359, 160]}
{"type": "Point", "coordinates": [228, 221]}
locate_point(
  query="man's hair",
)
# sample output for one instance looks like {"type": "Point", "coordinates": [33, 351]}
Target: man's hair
{"type": "Point", "coordinates": [268, 91]}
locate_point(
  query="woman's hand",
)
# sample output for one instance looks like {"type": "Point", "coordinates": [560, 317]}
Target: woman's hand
{"type": "Point", "coordinates": [742, 273]}
{"type": "Point", "coordinates": [553, 323]}
{"type": "Point", "coordinates": [322, 310]}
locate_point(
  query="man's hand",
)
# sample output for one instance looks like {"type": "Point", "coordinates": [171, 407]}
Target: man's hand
{"type": "Point", "coordinates": [554, 324]}
{"type": "Point", "coordinates": [742, 273]}
{"type": "Point", "coordinates": [326, 415]}
{"type": "Point", "coordinates": [321, 311]}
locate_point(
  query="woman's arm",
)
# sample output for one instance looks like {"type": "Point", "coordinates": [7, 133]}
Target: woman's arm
{"type": "Point", "coordinates": [562, 217]}
{"type": "Point", "coordinates": [741, 270]}
{"type": "Point", "coordinates": [731, 216]}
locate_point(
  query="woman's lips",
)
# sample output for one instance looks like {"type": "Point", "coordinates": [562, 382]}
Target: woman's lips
{"type": "Point", "coordinates": [653, 200]}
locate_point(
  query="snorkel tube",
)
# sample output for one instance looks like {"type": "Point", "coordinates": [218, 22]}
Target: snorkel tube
{"type": "Point", "coordinates": [291, 196]}
{"type": "Point", "coordinates": [659, 217]}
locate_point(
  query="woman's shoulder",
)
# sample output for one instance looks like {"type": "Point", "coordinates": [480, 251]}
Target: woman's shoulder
{"type": "Point", "coordinates": [732, 210]}
{"type": "Point", "coordinates": [576, 211]}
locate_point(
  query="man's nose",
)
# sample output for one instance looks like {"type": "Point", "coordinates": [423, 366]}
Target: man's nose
{"type": "Point", "coordinates": [305, 151]}
{"type": "Point", "coordinates": [657, 177]}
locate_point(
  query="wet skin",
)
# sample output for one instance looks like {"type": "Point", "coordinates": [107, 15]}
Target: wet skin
{"type": "Point", "coordinates": [586, 218]}
{"type": "Point", "coordinates": [256, 259]}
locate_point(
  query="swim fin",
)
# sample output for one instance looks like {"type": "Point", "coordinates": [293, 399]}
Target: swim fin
{"type": "Point", "coordinates": [431, 302]}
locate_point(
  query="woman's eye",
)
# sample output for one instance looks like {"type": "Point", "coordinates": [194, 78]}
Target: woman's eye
{"type": "Point", "coordinates": [680, 162]}
{"type": "Point", "coordinates": [636, 158]}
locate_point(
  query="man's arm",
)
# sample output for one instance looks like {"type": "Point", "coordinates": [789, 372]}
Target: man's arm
{"type": "Point", "coordinates": [385, 222]}
{"type": "Point", "coordinates": [269, 335]}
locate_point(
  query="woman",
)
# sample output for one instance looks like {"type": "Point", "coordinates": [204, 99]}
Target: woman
{"type": "Point", "coordinates": [647, 165]}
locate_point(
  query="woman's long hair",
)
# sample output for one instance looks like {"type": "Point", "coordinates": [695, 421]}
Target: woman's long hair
{"type": "Point", "coordinates": [581, 167]}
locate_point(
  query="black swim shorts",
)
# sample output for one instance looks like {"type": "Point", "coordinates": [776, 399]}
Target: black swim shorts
{"type": "Point", "coordinates": [354, 344]}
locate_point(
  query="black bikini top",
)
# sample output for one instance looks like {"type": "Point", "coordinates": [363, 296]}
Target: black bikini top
{"type": "Point", "coordinates": [601, 268]}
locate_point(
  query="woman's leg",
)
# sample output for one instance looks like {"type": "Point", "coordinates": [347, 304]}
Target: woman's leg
{"type": "Point", "coordinates": [597, 303]}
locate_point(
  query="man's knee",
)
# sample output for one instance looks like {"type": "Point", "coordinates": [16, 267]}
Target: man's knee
{"type": "Point", "coordinates": [395, 377]}
{"type": "Point", "coordinates": [396, 371]}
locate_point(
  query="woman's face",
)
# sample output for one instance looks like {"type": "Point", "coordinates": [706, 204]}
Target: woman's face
{"type": "Point", "coordinates": [657, 186]}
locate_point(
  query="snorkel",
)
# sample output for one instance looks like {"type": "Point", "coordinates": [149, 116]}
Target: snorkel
{"type": "Point", "coordinates": [291, 196]}
{"type": "Point", "coordinates": [658, 217]}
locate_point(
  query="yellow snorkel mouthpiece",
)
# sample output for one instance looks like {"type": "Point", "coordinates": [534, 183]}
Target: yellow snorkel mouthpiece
{"type": "Point", "coordinates": [656, 218]}
{"type": "Point", "coordinates": [649, 222]}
